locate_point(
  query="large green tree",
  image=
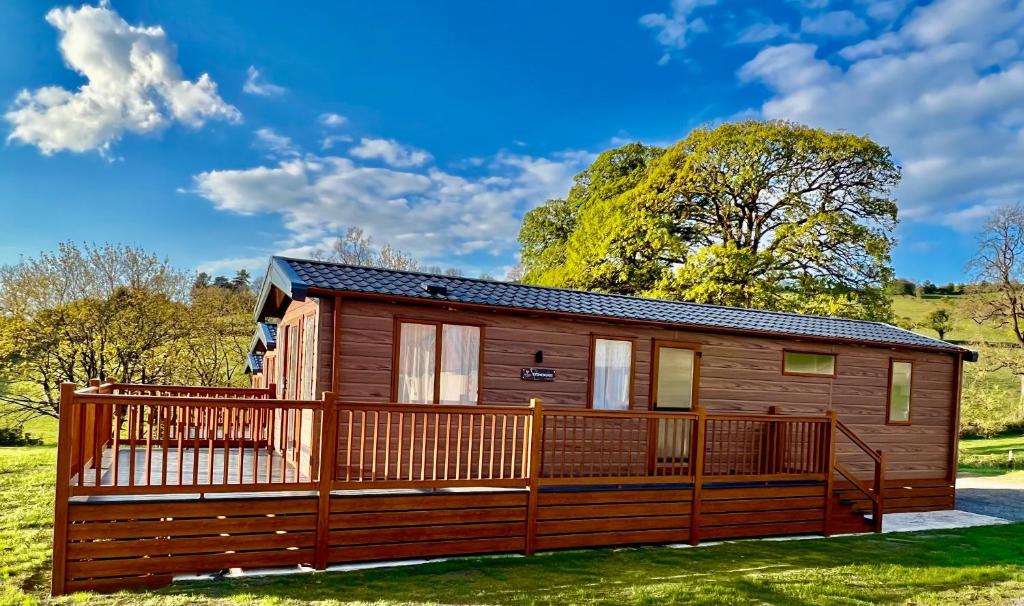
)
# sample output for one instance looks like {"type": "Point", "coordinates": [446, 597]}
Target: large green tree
{"type": "Point", "coordinates": [771, 215]}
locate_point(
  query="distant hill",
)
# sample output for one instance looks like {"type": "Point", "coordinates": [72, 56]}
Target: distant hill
{"type": "Point", "coordinates": [965, 329]}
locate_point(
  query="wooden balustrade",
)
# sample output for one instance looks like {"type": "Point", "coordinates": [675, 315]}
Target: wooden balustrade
{"type": "Point", "coordinates": [594, 446]}
{"type": "Point", "coordinates": [143, 444]}
{"type": "Point", "coordinates": [191, 391]}
{"type": "Point", "coordinates": [385, 445]}
{"type": "Point", "coordinates": [766, 447]}
{"type": "Point", "coordinates": [118, 439]}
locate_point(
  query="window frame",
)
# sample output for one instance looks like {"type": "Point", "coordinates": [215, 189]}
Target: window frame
{"type": "Point", "coordinates": [438, 342]}
{"type": "Point", "coordinates": [656, 344]}
{"type": "Point", "coordinates": [835, 363]}
{"type": "Point", "coordinates": [630, 400]}
{"type": "Point", "coordinates": [910, 393]}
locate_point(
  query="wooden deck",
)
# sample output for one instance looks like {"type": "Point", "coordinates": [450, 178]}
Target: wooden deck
{"type": "Point", "coordinates": [193, 467]}
{"type": "Point", "coordinates": [154, 482]}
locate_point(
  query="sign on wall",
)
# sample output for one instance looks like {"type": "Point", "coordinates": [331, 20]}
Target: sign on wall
{"type": "Point", "coordinates": [537, 374]}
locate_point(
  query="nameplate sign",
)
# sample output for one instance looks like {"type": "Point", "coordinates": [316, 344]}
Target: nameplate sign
{"type": "Point", "coordinates": [537, 374]}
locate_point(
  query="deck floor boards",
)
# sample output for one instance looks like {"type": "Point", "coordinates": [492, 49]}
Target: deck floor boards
{"type": "Point", "coordinates": [239, 460]}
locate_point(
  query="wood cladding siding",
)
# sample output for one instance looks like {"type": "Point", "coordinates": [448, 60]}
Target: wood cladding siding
{"type": "Point", "coordinates": [738, 374]}
{"type": "Point", "coordinates": [145, 543]}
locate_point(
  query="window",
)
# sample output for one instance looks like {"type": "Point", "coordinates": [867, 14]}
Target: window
{"type": "Point", "coordinates": [900, 381]}
{"type": "Point", "coordinates": [611, 374]}
{"type": "Point", "coordinates": [675, 376]}
{"type": "Point", "coordinates": [291, 363]}
{"type": "Point", "coordinates": [808, 363]}
{"type": "Point", "coordinates": [420, 379]}
{"type": "Point", "coordinates": [308, 358]}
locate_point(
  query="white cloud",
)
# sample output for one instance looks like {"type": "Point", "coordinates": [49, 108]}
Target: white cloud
{"type": "Point", "coordinates": [762, 30]}
{"type": "Point", "coordinates": [431, 213]}
{"type": "Point", "coordinates": [943, 92]}
{"type": "Point", "coordinates": [390, 152]}
{"type": "Point", "coordinates": [228, 267]}
{"type": "Point", "coordinates": [276, 144]}
{"type": "Point", "coordinates": [133, 84]}
{"type": "Point", "coordinates": [675, 27]}
{"type": "Point", "coordinates": [329, 141]}
{"type": "Point", "coordinates": [257, 84]}
{"type": "Point", "coordinates": [333, 120]}
{"type": "Point", "coordinates": [884, 10]}
{"type": "Point", "coordinates": [836, 23]}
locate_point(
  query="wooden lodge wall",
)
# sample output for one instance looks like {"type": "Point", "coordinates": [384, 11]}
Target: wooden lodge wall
{"type": "Point", "coordinates": [738, 374]}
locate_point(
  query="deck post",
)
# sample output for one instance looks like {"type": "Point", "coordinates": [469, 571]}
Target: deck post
{"type": "Point", "coordinates": [775, 459]}
{"type": "Point", "coordinates": [697, 471]}
{"type": "Point", "coordinates": [829, 471]}
{"type": "Point", "coordinates": [536, 433]}
{"type": "Point", "coordinates": [879, 510]}
{"type": "Point", "coordinates": [63, 487]}
{"type": "Point", "coordinates": [325, 477]}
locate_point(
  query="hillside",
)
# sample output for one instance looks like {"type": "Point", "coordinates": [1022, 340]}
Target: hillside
{"type": "Point", "coordinates": [965, 329]}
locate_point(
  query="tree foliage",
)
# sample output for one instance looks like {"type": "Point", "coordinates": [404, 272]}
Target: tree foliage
{"type": "Point", "coordinates": [939, 320]}
{"type": "Point", "coordinates": [999, 264]}
{"type": "Point", "coordinates": [117, 313]}
{"type": "Point", "coordinates": [756, 214]}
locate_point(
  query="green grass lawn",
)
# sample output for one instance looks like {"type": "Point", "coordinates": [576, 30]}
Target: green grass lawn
{"type": "Point", "coordinates": [988, 456]}
{"type": "Point", "coordinates": [970, 566]}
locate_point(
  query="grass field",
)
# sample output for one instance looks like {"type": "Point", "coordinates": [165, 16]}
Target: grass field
{"type": "Point", "coordinates": [964, 328]}
{"type": "Point", "coordinates": [990, 455]}
{"type": "Point", "coordinates": [970, 566]}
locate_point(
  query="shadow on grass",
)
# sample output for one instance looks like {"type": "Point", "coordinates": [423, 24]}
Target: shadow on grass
{"type": "Point", "coordinates": [842, 570]}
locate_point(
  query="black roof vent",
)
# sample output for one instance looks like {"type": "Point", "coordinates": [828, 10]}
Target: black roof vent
{"type": "Point", "coordinates": [433, 288]}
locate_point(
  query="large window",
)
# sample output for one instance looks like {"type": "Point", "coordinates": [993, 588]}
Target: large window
{"type": "Point", "coordinates": [808, 363]}
{"type": "Point", "coordinates": [900, 380]}
{"type": "Point", "coordinates": [420, 379]}
{"type": "Point", "coordinates": [611, 373]}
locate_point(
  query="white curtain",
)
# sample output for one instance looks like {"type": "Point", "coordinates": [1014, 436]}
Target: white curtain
{"type": "Point", "coordinates": [460, 364]}
{"type": "Point", "coordinates": [416, 363]}
{"type": "Point", "coordinates": [613, 362]}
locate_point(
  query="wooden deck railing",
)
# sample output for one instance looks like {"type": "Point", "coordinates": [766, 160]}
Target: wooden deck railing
{"type": "Point", "coordinates": [874, 491]}
{"type": "Point", "coordinates": [413, 446]}
{"type": "Point", "coordinates": [118, 439]}
{"type": "Point", "coordinates": [169, 441]}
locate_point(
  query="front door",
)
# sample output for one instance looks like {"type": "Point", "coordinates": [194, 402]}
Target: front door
{"type": "Point", "coordinates": [674, 372]}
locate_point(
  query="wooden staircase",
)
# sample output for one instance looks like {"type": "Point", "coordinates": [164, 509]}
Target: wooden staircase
{"type": "Point", "coordinates": [851, 513]}
{"type": "Point", "coordinates": [855, 506]}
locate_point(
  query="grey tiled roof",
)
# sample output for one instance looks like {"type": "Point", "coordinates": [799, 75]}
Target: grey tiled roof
{"type": "Point", "coordinates": [306, 274]}
{"type": "Point", "coordinates": [254, 363]}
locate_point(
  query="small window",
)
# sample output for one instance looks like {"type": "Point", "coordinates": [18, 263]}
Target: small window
{"type": "Point", "coordinates": [308, 358]}
{"type": "Point", "coordinates": [421, 380]}
{"type": "Point", "coordinates": [900, 380]}
{"type": "Point", "coordinates": [612, 374]}
{"type": "Point", "coordinates": [809, 363]}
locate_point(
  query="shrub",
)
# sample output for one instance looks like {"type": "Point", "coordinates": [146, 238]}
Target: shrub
{"type": "Point", "coordinates": [987, 406]}
{"type": "Point", "coordinates": [15, 435]}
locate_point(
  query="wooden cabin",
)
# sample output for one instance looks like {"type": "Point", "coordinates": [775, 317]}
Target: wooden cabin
{"type": "Point", "coordinates": [374, 335]}
{"type": "Point", "coordinates": [406, 415]}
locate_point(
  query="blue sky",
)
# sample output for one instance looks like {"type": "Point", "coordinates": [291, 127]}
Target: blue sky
{"type": "Point", "coordinates": [221, 134]}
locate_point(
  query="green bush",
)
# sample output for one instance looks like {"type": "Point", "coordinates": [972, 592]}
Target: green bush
{"type": "Point", "coordinates": [15, 435]}
{"type": "Point", "coordinates": [988, 406]}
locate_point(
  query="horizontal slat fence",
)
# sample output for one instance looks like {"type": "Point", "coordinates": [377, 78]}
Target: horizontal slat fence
{"type": "Point", "coordinates": [385, 481]}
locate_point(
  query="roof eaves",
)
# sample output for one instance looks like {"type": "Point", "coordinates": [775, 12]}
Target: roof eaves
{"type": "Point", "coordinates": [279, 275]}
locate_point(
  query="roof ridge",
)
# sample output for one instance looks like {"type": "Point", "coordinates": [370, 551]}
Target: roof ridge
{"type": "Point", "coordinates": [590, 292]}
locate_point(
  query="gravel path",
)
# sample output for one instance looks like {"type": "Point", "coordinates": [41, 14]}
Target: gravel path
{"type": "Point", "coordinates": [997, 496]}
